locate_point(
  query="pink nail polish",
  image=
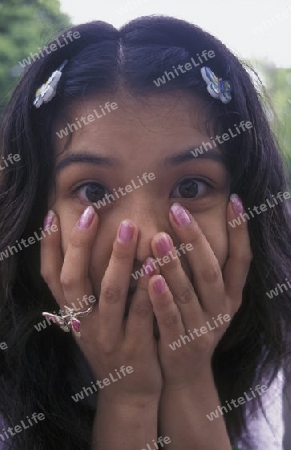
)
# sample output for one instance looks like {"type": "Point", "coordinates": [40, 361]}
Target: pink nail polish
{"type": "Point", "coordinates": [125, 232]}
{"type": "Point", "coordinates": [164, 245]}
{"type": "Point", "coordinates": [86, 218]}
{"type": "Point", "coordinates": [149, 268]}
{"type": "Point", "coordinates": [180, 215]}
{"type": "Point", "coordinates": [159, 285]}
{"type": "Point", "coordinates": [237, 204]}
{"type": "Point", "coordinates": [48, 220]}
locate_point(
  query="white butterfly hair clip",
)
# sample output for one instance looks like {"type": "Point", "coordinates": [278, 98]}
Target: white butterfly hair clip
{"type": "Point", "coordinates": [48, 90]}
{"type": "Point", "coordinates": [217, 87]}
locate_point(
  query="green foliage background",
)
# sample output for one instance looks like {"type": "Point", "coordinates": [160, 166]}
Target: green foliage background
{"type": "Point", "coordinates": [27, 25]}
{"type": "Point", "coordinates": [277, 83]}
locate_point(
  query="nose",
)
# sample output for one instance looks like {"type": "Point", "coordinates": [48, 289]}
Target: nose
{"type": "Point", "coordinates": [151, 216]}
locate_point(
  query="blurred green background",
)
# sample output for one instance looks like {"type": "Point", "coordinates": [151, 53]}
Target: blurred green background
{"type": "Point", "coordinates": [27, 25]}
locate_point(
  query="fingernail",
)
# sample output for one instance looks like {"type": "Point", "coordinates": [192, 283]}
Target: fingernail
{"type": "Point", "coordinates": [159, 285]}
{"type": "Point", "coordinates": [164, 245]}
{"type": "Point", "coordinates": [125, 232]}
{"type": "Point", "coordinates": [86, 218]}
{"type": "Point", "coordinates": [180, 215]}
{"type": "Point", "coordinates": [149, 268]}
{"type": "Point", "coordinates": [48, 220]}
{"type": "Point", "coordinates": [237, 204]}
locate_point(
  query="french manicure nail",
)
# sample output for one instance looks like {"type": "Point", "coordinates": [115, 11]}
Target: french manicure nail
{"type": "Point", "coordinates": [86, 218]}
{"type": "Point", "coordinates": [48, 220]}
{"type": "Point", "coordinates": [125, 232]}
{"type": "Point", "coordinates": [180, 215]}
{"type": "Point", "coordinates": [236, 204]}
{"type": "Point", "coordinates": [159, 285]}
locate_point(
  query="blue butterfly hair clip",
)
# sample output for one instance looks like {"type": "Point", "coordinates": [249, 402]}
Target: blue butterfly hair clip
{"type": "Point", "coordinates": [48, 90]}
{"type": "Point", "coordinates": [217, 87]}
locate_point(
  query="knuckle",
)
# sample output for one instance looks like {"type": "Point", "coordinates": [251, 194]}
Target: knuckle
{"type": "Point", "coordinates": [172, 265]}
{"type": "Point", "coordinates": [120, 255]}
{"type": "Point", "coordinates": [204, 344]}
{"type": "Point", "coordinates": [246, 257]}
{"type": "Point", "coordinates": [106, 349]}
{"type": "Point", "coordinates": [212, 274]}
{"type": "Point", "coordinates": [67, 280]}
{"type": "Point", "coordinates": [110, 293]}
{"type": "Point", "coordinates": [171, 319]}
{"type": "Point", "coordinates": [121, 252]}
{"type": "Point", "coordinates": [243, 259]}
{"type": "Point", "coordinates": [185, 295]}
{"type": "Point", "coordinates": [77, 240]}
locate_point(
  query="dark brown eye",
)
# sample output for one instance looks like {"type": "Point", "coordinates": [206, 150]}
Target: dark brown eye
{"type": "Point", "coordinates": [190, 188]}
{"type": "Point", "coordinates": [91, 192]}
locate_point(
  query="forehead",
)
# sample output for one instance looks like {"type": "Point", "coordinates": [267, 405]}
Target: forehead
{"type": "Point", "coordinates": [135, 126]}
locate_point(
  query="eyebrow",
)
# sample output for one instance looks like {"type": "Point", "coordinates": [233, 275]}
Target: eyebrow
{"type": "Point", "coordinates": [104, 161]}
{"type": "Point", "coordinates": [187, 156]}
{"type": "Point", "coordinates": [84, 158]}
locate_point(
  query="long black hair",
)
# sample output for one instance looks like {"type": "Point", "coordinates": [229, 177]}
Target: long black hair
{"type": "Point", "coordinates": [38, 371]}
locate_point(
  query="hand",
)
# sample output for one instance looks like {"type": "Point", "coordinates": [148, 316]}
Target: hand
{"type": "Point", "coordinates": [107, 339]}
{"type": "Point", "coordinates": [181, 309]}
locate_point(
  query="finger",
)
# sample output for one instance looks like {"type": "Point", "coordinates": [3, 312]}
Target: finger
{"type": "Point", "coordinates": [240, 254]}
{"type": "Point", "coordinates": [165, 309]}
{"type": "Point", "coordinates": [208, 280]}
{"type": "Point", "coordinates": [115, 283]}
{"type": "Point", "coordinates": [177, 280]}
{"type": "Point", "coordinates": [75, 271]}
{"type": "Point", "coordinates": [51, 257]}
{"type": "Point", "coordinates": [140, 317]}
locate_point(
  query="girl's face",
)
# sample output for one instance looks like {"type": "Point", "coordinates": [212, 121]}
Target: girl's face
{"type": "Point", "coordinates": [153, 135]}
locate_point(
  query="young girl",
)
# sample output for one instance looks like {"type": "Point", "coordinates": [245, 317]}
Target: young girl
{"type": "Point", "coordinates": [146, 215]}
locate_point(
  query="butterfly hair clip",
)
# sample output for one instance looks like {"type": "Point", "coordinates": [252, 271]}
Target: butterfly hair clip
{"type": "Point", "coordinates": [68, 321]}
{"type": "Point", "coordinates": [48, 90]}
{"type": "Point", "coordinates": [217, 87]}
